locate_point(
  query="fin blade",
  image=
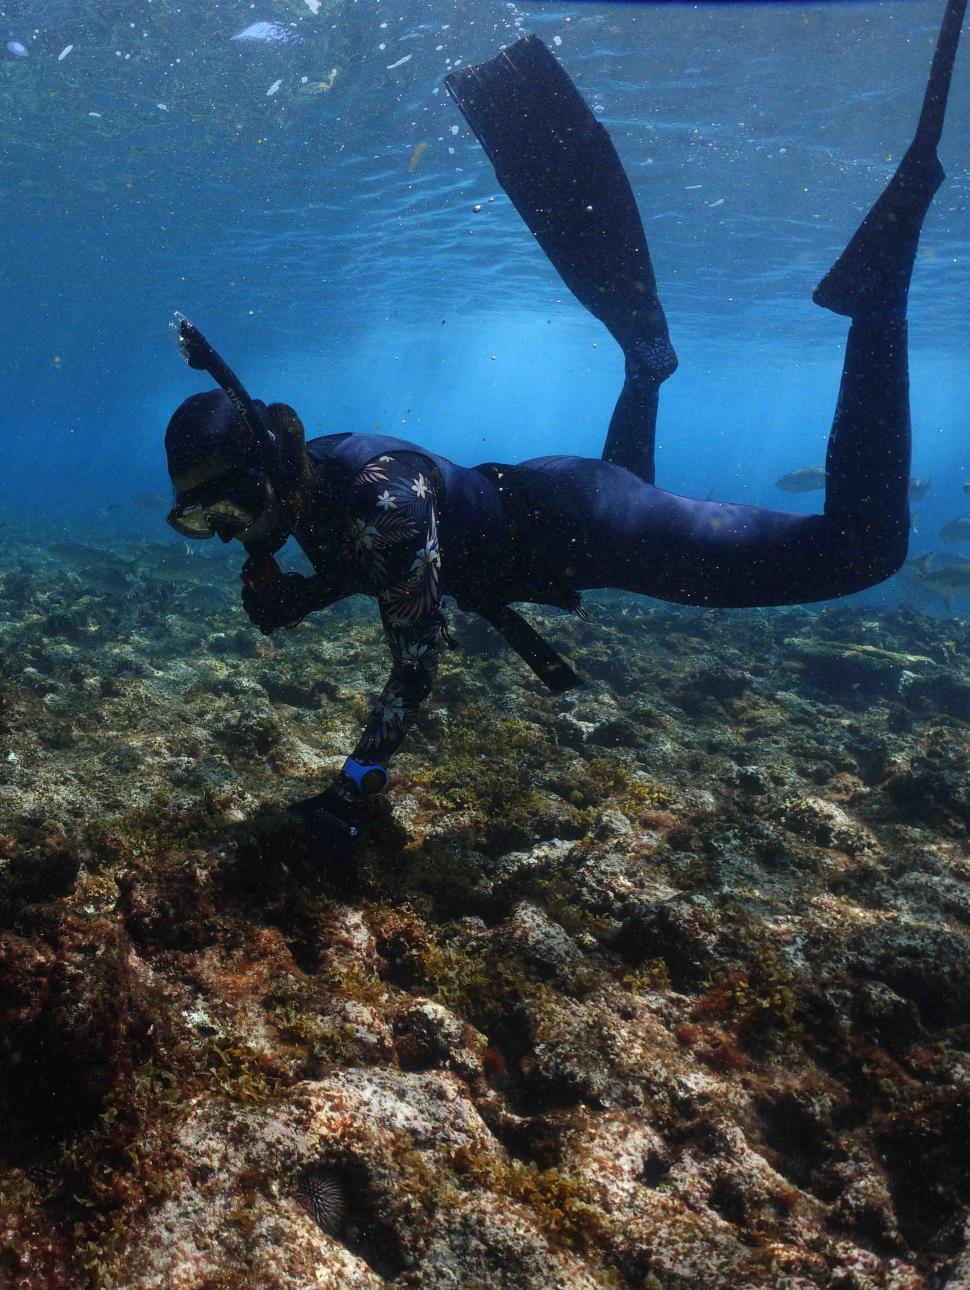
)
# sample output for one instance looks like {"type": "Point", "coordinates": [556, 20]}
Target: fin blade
{"type": "Point", "coordinates": [562, 173]}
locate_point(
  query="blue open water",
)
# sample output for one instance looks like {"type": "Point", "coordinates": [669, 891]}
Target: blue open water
{"type": "Point", "coordinates": [278, 192]}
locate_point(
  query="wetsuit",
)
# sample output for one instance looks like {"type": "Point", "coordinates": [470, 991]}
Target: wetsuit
{"type": "Point", "coordinates": [388, 518]}
{"type": "Point", "coordinates": [408, 526]}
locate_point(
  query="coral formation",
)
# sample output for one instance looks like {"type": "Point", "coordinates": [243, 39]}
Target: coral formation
{"type": "Point", "coordinates": [661, 983]}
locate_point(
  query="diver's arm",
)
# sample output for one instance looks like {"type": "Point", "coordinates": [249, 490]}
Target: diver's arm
{"type": "Point", "coordinates": [414, 648]}
{"type": "Point", "coordinates": [398, 553]}
{"type": "Point", "coordinates": [394, 538]}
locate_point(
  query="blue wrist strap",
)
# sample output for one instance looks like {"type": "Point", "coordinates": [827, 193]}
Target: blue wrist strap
{"type": "Point", "coordinates": [357, 771]}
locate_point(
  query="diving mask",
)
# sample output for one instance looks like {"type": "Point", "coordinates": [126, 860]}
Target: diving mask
{"type": "Point", "coordinates": [224, 507]}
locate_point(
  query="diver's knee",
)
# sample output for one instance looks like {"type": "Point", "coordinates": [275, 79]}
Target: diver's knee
{"type": "Point", "coordinates": [887, 558]}
{"type": "Point", "coordinates": [650, 361]}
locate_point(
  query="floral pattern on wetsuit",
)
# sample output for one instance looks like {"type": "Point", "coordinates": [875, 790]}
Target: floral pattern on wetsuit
{"type": "Point", "coordinates": [394, 547]}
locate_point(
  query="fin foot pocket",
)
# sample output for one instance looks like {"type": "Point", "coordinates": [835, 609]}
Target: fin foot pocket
{"type": "Point", "coordinates": [872, 274]}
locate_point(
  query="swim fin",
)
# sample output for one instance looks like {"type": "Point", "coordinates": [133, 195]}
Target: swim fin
{"type": "Point", "coordinates": [551, 669]}
{"type": "Point", "coordinates": [562, 173]}
{"type": "Point", "coordinates": [872, 274]}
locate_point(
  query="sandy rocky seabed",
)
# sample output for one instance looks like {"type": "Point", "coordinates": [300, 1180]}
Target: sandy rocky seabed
{"type": "Point", "coordinates": [663, 983]}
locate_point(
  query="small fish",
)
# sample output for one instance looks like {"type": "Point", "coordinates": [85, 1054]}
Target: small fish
{"type": "Point", "coordinates": [107, 579]}
{"type": "Point", "coordinates": [805, 480]}
{"type": "Point", "coordinates": [176, 564]}
{"type": "Point", "coordinates": [78, 556]}
{"type": "Point", "coordinates": [100, 570]}
{"type": "Point", "coordinates": [949, 580]}
{"type": "Point", "coordinates": [201, 597]}
{"type": "Point", "coordinates": [416, 156]}
{"type": "Point", "coordinates": [810, 478]}
{"type": "Point", "coordinates": [17, 49]}
{"type": "Point", "coordinates": [325, 86]}
{"type": "Point", "coordinates": [267, 33]}
{"type": "Point", "coordinates": [149, 500]}
{"type": "Point", "coordinates": [957, 530]}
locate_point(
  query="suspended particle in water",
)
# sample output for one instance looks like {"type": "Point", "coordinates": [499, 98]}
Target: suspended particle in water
{"type": "Point", "coordinates": [16, 48]}
{"type": "Point", "coordinates": [322, 1195]}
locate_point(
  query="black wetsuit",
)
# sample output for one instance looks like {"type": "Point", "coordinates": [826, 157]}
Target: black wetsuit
{"type": "Point", "coordinates": [408, 526]}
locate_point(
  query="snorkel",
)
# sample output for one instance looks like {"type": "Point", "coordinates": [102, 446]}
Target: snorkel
{"type": "Point", "coordinates": [201, 356]}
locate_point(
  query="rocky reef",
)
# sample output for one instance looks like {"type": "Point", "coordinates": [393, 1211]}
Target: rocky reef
{"type": "Point", "coordinates": [658, 985]}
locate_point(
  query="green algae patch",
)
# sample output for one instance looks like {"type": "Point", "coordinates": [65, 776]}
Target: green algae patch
{"type": "Point", "coordinates": [485, 768]}
{"type": "Point", "coordinates": [562, 1205]}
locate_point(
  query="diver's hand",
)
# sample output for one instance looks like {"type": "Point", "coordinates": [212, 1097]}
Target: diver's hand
{"type": "Point", "coordinates": [283, 601]}
{"type": "Point", "coordinates": [333, 819]}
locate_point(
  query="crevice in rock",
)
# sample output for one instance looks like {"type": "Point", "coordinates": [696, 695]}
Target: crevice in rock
{"type": "Point", "coordinates": [799, 1143]}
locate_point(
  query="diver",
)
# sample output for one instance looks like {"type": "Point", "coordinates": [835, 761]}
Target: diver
{"type": "Point", "coordinates": [385, 517]}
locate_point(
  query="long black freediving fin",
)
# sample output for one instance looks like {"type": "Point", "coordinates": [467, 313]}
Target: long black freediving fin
{"type": "Point", "coordinates": [563, 175]}
{"type": "Point", "coordinates": [559, 167]}
{"type": "Point", "coordinates": [872, 274]}
{"type": "Point", "coordinates": [551, 669]}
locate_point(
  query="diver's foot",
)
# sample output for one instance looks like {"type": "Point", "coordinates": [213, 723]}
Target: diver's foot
{"type": "Point", "coordinates": [871, 276]}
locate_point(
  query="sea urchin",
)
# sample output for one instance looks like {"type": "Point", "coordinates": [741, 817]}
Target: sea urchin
{"type": "Point", "coordinates": [322, 1194]}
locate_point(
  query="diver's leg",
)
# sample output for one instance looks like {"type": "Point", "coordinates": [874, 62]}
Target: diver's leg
{"type": "Point", "coordinates": [872, 274]}
{"type": "Point", "coordinates": [632, 434]}
{"type": "Point", "coordinates": [868, 461]}
{"type": "Point", "coordinates": [562, 173]}
{"type": "Point", "coordinates": [604, 527]}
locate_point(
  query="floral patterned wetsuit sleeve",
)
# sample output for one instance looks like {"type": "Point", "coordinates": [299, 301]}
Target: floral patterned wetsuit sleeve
{"type": "Point", "coordinates": [394, 538]}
